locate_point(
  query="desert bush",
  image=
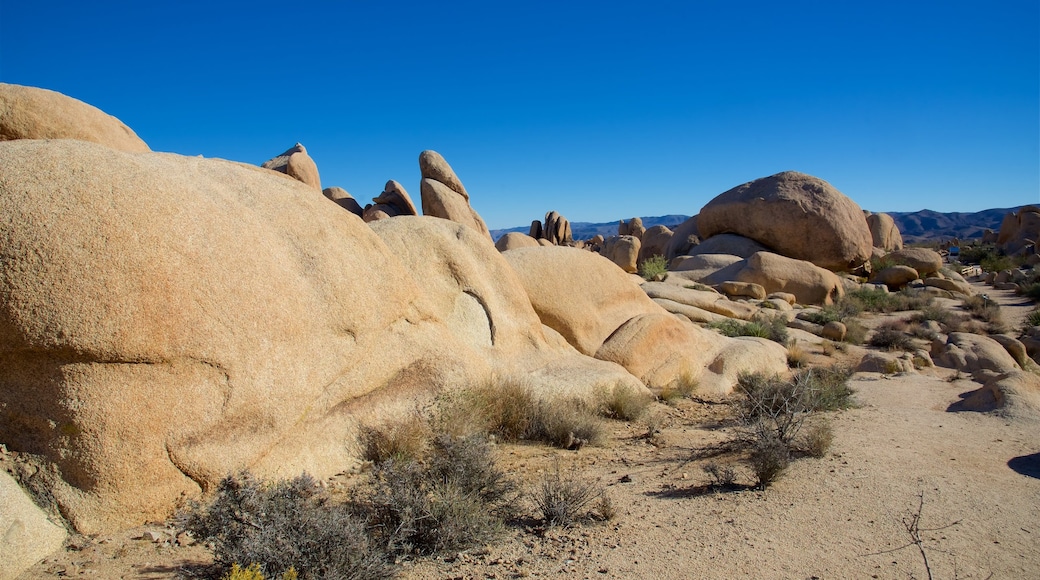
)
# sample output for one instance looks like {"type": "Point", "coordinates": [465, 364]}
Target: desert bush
{"type": "Point", "coordinates": [892, 335]}
{"type": "Point", "coordinates": [774, 329]}
{"type": "Point", "coordinates": [769, 458]}
{"type": "Point", "coordinates": [982, 308]}
{"type": "Point", "coordinates": [722, 476]}
{"type": "Point", "coordinates": [285, 527]}
{"type": "Point", "coordinates": [796, 356]}
{"type": "Point", "coordinates": [653, 266]}
{"type": "Point", "coordinates": [456, 498]}
{"type": "Point", "coordinates": [623, 403]}
{"type": "Point", "coordinates": [932, 312]}
{"type": "Point", "coordinates": [567, 423]}
{"type": "Point", "coordinates": [252, 572]}
{"type": "Point", "coordinates": [400, 440]}
{"type": "Point", "coordinates": [996, 263]}
{"type": "Point", "coordinates": [1033, 317]}
{"type": "Point", "coordinates": [604, 507]}
{"type": "Point", "coordinates": [878, 263]}
{"type": "Point", "coordinates": [1032, 291]}
{"type": "Point", "coordinates": [818, 438]}
{"type": "Point", "coordinates": [873, 300]}
{"type": "Point", "coordinates": [564, 498]}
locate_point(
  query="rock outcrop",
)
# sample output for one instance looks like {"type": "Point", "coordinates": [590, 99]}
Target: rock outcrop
{"type": "Point", "coordinates": [443, 195]}
{"type": "Point", "coordinates": [809, 283]}
{"type": "Point", "coordinates": [654, 242]}
{"type": "Point", "coordinates": [884, 232]}
{"type": "Point", "coordinates": [33, 113]}
{"type": "Point", "coordinates": [925, 261]}
{"type": "Point", "coordinates": [514, 240]}
{"type": "Point", "coordinates": [623, 251]}
{"type": "Point", "coordinates": [343, 199]}
{"type": "Point", "coordinates": [556, 230]}
{"type": "Point", "coordinates": [297, 164]}
{"type": "Point", "coordinates": [26, 535]}
{"type": "Point", "coordinates": [684, 237]}
{"type": "Point", "coordinates": [797, 215]}
{"type": "Point", "coordinates": [151, 344]}
{"type": "Point", "coordinates": [1020, 231]}
{"type": "Point", "coordinates": [394, 201]}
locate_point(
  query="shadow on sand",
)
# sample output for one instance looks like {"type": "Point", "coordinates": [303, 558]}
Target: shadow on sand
{"type": "Point", "coordinates": [1027, 465]}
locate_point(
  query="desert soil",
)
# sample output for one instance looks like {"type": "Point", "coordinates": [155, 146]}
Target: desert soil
{"type": "Point", "coordinates": [976, 478]}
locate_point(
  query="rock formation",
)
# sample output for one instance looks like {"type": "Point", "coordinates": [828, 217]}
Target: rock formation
{"type": "Point", "coordinates": [343, 199]}
{"type": "Point", "coordinates": [884, 232]}
{"type": "Point", "coordinates": [514, 240]}
{"type": "Point", "coordinates": [633, 227]}
{"type": "Point", "coordinates": [797, 215]}
{"type": "Point", "coordinates": [684, 237]}
{"type": "Point", "coordinates": [296, 164]}
{"type": "Point", "coordinates": [556, 230]}
{"type": "Point", "coordinates": [32, 113]}
{"type": "Point", "coordinates": [394, 201]}
{"type": "Point", "coordinates": [1020, 231]}
{"type": "Point", "coordinates": [623, 251]}
{"type": "Point", "coordinates": [654, 242]}
{"type": "Point", "coordinates": [443, 195]}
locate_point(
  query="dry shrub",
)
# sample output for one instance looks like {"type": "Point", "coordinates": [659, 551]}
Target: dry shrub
{"type": "Point", "coordinates": [563, 498]}
{"type": "Point", "coordinates": [796, 356]}
{"type": "Point", "coordinates": [722, 476]}
{"type": "Point", "coordinates": [253, 572]}
{"type": "Point", "coordinates": [567, 423]}
{"type": "Point", "coordinates": [982, 308]}
{"type": "Point", "coordinates": [891, 335]}
{"type": "Point", "coordinates": [769, 458]}
{"type": "Point", "coordinates": [285, 527]}
{"type": "Point", "coordinates": [818, 438]}
{"type": "Point", "coordinates": [456, 498]}
{"type": "Point", "coordinates": [855, 332]}
{"type": "Point", "coordinates": [682, 387]}
{"type": "Point", "coordinates": [404, 439]}
{"type": "Point", "coordinates": [623, 402]}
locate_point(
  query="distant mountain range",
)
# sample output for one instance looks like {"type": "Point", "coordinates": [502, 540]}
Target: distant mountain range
{"type": "Point", "coordinates": [919, 226]}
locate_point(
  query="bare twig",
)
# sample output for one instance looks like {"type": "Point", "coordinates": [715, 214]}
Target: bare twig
{"type": "Point", "coordinates": [912, 523]}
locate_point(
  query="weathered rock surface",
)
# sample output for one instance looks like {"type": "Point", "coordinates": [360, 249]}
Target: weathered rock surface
{"type": "Point", "coordinates": [708, 268]}
{"type": "Point", "coordinates": [151, 344]}
{"type": "Point", "coordinates": [343, 199]}
{"type": "Point", "coordinates": [1020, 231]}
{"type": "Point", "coordinates": [26, 535]}
{"type": "Point", "coordinates": [728, 244]}
{"type": "Point", "coordinates": [884, 232]}
{"type": "Point", "coordinates": [654, 242]}
{"type": "Point", "coordinates": [297, 164]}
{"type": "Point", "coordinates": [633, 227]}
{"type": "Point", "coordinates": [1014, 394]}
{"type": "Point", "coordinates": [443, 195]}
{"type": "Point", "coordinates": [895, 277]}
{"type": "Point", "coordinates": [810, 284]}
{"type": "Point", "coordinates": [797, 215]}
{"type": "Point", "coordinates": [33, 113]}
{"type": "Point", "coordinates": [973, 354]}
{"type": "Point", "coordinates": [684, 237]}
{"type": "Point", "coordinates": [743, 289]}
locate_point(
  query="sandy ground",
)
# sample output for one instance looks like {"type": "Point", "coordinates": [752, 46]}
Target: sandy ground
{"type": "Point", "coordinates": [837, 517]}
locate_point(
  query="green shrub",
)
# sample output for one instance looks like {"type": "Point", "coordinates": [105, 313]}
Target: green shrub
{"type": "Point", "coordinates": [981, 307]}
{"type": "Point", "coordinates": [1033, 318]}
{"type": "Point", "coordinates": [1032, 291]}
{"type": "Point", "coordinates": [653, 266]}
{"type": "Point", "coordinates": [996, 263]}
{"type": "Point", "coordinates": [774, 329]}
{"type": "Point", "coordinates": [454, 499]}
{"type": "Point", "coordinates": [564, 498]}
{"type": "Point", "coordinates": [933, 312]}
{"type": "Point", "coordinates": [253, 573]}
{"type": "Point", "coordinates": [285, 527]}
{"type": "Point", "coordinates": [874, 300]}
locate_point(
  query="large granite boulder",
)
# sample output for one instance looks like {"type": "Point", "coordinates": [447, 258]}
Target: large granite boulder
{"type": "Point", "coordinates": [152, 344]}
{"type": "Point", "coordinates": [925, 261]}
{"type": "Point", "coordinates": [344, 200]}
{"type": "Point", "coordinates": [514, 240]}
{"type": "Point", "coordinates": [654, 242]}
{"type": "Point", "coordinates": [684, 237]}
{"type": "Point", "coordinates": [1020, 231]}
{"type": "Point", "coordinates": [730, 244]}
{"type": "Point", "coordinates": [443, 195]}
{"type": "Point", "coordinates": [392, 202]}
{"type": "Point", "coordinates": [884, 232]}
{"type": "Point", "coordinates": [26, 534]}
{"type": "Point", "coordinates": [623, 251]}
{"type": "Point", "coordinates": [797, 215]}
{"type": "Point", "coordinates": [32, 113]}
{"type": "Point", "coordinates": [809, 283]}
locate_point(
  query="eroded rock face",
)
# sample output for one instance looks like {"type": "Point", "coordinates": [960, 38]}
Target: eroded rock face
{"type": "Point", "coordinates": [623, 251]}
{"type": "Point", "coordinates": [923, 260]}
{"type": "Point", "coordinates": [1020, 231]}
{"type": "Point", "coordinates": [296, 164]}
{"type": "Point", "coordinates": [151, 344]}
{"type": "Point", "coordinates": [514, 240]}
{"type": "Point", "coordinates": [343, 199]}
{"type": "Point", "coordinates": [654, 242]}
{"type": "Point", "coordinates": [26, 535]}
{"type": "Point", "coordinates": [33, 113]}
{"type": "Point", "coordinates": [684, 237]}
{"type": "Point", "coordinates": [443, 195]}
{"type": "Point", "coordinates": [797, 215]}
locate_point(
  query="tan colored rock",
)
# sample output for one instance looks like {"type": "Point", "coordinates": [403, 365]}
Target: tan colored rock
{"type": "Point", "coordinates": [152, 344]}
{"type": "Point", "coordinates": [654, 242]}
{"type": "Point", "coordinates": [797, 215]}
{"type": "Point", "coordinates": [728, 244]}
{"type": "Point", "coordinates": [26, 535]}
{"type": "Point", "coordinates": [33, 113]}
{"type": "Point", "coordinates": [709, 268]}
{"type": "Point", "coordinates": [633, 227]}
{"type": "Point", "coordinates": [443, 195]}
{"type": "Point", "coordinates": [1014, 395]}
{"type": "Point", "coordinates": [885, 363]}
{"type": "Point", "coordinates": [884, 232]}
{"type": "Point", "coordinates": [556, 229]}
{"type": "Point", "coordinates": [692, 313]}
{"type": "Point", "coordinates": [344, 200]}
{"type": "Point", "coordinates": [706, 300]}
{"type": "Point", "coordinates": [834, 330]}
{"type": "Point", "coordinates": [1020, 231]}
{"type": "Point", "coordinates": [923, 260]}
{"type": "Point", "coordinates": [684, 237]}
{"type": "Point", "coordinates": [785, 296]}
{"type": "Point", "coordinates": [895, 277]}
{"type": "Point", "coordinates": [514, 240]}
{"type": "Point", "coordinates": [950, 285]}
{"type": "Point", "coordinates": [744, 289]}
{"type": "Point", "coordinates": [297, 164]}
{"type": "Point", "coordinates": [392, 202]}
{"type": "Point", "coordinates": [973, 354]}
{"type": "Point", "coordinates": [810, 284]}
{"type": "Point", "coordinates": [623, 251]}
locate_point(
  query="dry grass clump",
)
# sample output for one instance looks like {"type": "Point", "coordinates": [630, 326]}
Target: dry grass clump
{"type": "Point", "coordinates": [980, 307]}
{"type": "Point", "coordinates": [818, 438]}
{"type": "Point", "coordinates": [253, 572]}
{"type": "Point", "coordinates": [873, 300]}
{"type": "Point", "coordinates": [563, 498]}
{"type": "Point", "coordinates": [623, 403]}
{"type": "Point", "coordinates": [1033, 318]}
{"type": "Point", "coordinates": [407, 438]}
{"type": "Point", "coordinates": [797, 356]}
{"type": "Point", "coordinates": [682, 387]}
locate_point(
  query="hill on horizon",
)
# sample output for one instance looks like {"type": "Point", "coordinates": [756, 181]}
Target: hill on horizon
{"type": "Point", "coordinates": [918, 226]}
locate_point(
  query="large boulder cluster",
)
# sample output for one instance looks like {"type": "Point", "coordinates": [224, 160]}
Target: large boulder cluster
{"type": "Point", "coordinates": [168, 320]}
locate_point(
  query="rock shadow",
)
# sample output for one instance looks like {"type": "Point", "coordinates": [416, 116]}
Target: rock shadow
{"type": "Point", "coordinates": [1027, 465]}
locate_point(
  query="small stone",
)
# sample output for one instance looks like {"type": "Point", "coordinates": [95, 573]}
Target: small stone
{"type": "Point", "coordinates": [185, 539]}
{"type": "Point", "coordinates": [152, 536]}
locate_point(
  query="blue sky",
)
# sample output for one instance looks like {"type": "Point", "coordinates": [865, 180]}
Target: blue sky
{"type": "Point", "coordinates": [598, 110]}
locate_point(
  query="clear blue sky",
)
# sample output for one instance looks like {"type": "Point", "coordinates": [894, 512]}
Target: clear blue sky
{"type": "Point", "coordinates": [598, 110]}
